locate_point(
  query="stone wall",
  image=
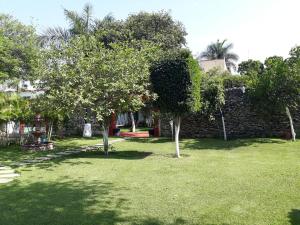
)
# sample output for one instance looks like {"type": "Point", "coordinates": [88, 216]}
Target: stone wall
{"type": "Point", "coordinates": [241, 120]}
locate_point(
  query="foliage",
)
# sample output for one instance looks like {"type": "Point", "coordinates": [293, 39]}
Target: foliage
{"type": "Point", "coordinates": [278, 86]}
{"type": "Point", "coordinates": [172, 81]}
{"type": "Point", "coordinates": [157, 27]}
{"type": "Point", "coordinates": [251, 67]}
{"type": "Point", "coordinates": [84, 74]}
{"type": "Point", "coordinates": [195, 76]}
{"type": "Point", "coordinates": [18, 50]}
{"type": "Point", "coordinates": [213, 96]}
{"type": "Point", "coordinates": [235, 81]}
{"type": "Point", "coordinates": [221, 50]}
{"type": "Point", "coordinates": [12, 107]}
{"type": "Point", "coordinates": [80, 24]}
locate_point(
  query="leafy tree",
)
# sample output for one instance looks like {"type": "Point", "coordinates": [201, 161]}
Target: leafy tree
{"type": "Point", "coordinates": [176, 81]}
{"type": "Point", "coordinates": [11, 107]}
{"type": "Point", "coordinates": [250, 67]}
{"type": "Point", "coordinates": [278, 88]}
{"type": "Point", "coordinates": [221, 50]}
{"type": "Point", "coordinates": [84, 74]}
{"type": "Point", "coordinates": [213, 97]}
{"type": "Point", "coordinates": [18, 50]}
{"type": "Point", "coordinates": [158, 27]}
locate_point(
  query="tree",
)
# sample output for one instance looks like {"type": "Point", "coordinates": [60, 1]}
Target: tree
{"type": "Point", "coordinates": [221, 50]}
{"type": "Point", "coordinates": [158, 27]}
{"type": "Point", "coordinates": [278, 88]}
{"type": "Point", "coordinates": [176, 81]}
{"type": "Point", "coordinates": [84, 74]}
{"type": "Point", "coordinates": [213, 97]}
{"type": "Point", "coordinates": [250, 67]}
{"type": "Point", "coordinates": [80, 24]}
{"type": "Point", "coordinates": [18, 50]}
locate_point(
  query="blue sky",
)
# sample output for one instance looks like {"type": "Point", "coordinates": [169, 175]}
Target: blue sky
{"type": "Point", "coordinates": [257, 28]}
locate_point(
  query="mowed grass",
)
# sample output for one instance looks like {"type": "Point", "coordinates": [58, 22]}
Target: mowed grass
{"type": "Point", "coordinates": [251, 181]}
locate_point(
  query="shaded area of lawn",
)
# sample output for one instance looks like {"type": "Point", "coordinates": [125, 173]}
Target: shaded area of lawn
{"type": "Point", "coordinates": [294, 216]}
{"type": "Point", "coordinates": [67, 203]}
{"type": "Point", "coordinates": [60, 203]}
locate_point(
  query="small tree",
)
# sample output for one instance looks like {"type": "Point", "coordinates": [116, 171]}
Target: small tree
{"type": "Point", "coordinates": [176, 81]}
{"type": "Point", "coordinates": [85, 74]}
{"type": "Point", "coordinates": [278, 88]}
{"type": "Point", "coordinates": [213, 97]}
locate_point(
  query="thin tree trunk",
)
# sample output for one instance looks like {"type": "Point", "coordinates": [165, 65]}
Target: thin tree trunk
{"type": "Point", "coordinates": [132, 122]}
{"type": "Point", "coordinates": [6, 129]}
{"type": "Point", "coordinates": [50, 131]}
{"type": "Point", "coordinates": [177, 121]}
{"type": "Point", "coordinates": [105, 127]}
{"type": "Point", "coordinates": [223, 124]}
{"type": "Point", "coordinates": [172, 129]}
{"type": "Point", "coordinates": [288, 113]}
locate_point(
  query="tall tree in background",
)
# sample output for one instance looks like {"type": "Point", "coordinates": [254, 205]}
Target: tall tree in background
{"type": "Point", "coordinates": [18, 50]}
{"type": "Point", "coordinates": [176, 81]}
{"type": "Point", "coordinates": [221, 50]}
{"type": "Point", "coordinates": [251, 67]}
{"type": "Point", "coordinates": [158, 27]}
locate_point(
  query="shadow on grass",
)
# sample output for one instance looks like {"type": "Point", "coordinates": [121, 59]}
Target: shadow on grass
{"type": "Point", "coordinates": [177, 221]}
{"type": "Point", "coordinates": [70, 202]}
{"type": "Point", "coordinates": [61, 203]}
{"type": "Point", "coordinates": [124, 155]}
{"type": "Point", "coordinates": [294, 216]}
{"type": "Point", "coordinates": [208, 143]}
{"type": "Point", "coordinates": [217, 144]}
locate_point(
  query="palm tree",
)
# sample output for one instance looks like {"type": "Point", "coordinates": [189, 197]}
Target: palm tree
{"type": "Point", "coordinates": [221, 50]}
{"type": "Point", "coordinates": [79, 24]}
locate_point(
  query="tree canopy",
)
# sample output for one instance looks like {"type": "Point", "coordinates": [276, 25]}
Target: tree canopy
{"type": "Point", "coordinates": [84, 74]}
{"type": "Point", "coordinates": [18, 50]}
{"type": "Point", "coordinates": [250, 67]}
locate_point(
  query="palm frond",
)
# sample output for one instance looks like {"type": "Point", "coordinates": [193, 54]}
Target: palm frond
{"type": "Point", "coordinates": [55, 34]}
{"type": "Point", "coordinates": [220, 50]}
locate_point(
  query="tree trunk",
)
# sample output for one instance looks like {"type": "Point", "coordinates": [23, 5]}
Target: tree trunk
{"type": "Point", "coordinates": [177, 121]}
{"type": "Point", "coordinates": [6, 132]}
{"type": "Point", "coordinates": [132, 122]}
{"type": "Point", "coordinates": [291, 123]}
{"type": "Point", "coordinates": [105, 127]}
{"type": "Point", "coordinates": [172, 128]}
{"type": "Point", "coordinates": [50, 131]}
{"type": "Point", "coordinates": [223, 124]}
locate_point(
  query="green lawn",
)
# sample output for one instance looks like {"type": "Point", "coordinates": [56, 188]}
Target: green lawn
{"type": "Point", "coordinates": [251, 181]}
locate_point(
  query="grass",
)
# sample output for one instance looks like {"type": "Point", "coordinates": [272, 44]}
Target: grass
{"type": "Point", "coordinates": [251, 181]}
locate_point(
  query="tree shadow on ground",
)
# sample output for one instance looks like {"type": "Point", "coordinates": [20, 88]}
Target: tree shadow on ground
{"type": "Point", "coordinates": [71, 202]}
{"type": "Point", "coordinates": [124, 155]}
{"type": "Point", "coordinates": [217, 144]}
{"type": "Point", "coordinates": [294, 216]}
{"type": "Point", "coordinates": [67, 202]}
{"type": "Point", "coordinates": [177, 221]}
